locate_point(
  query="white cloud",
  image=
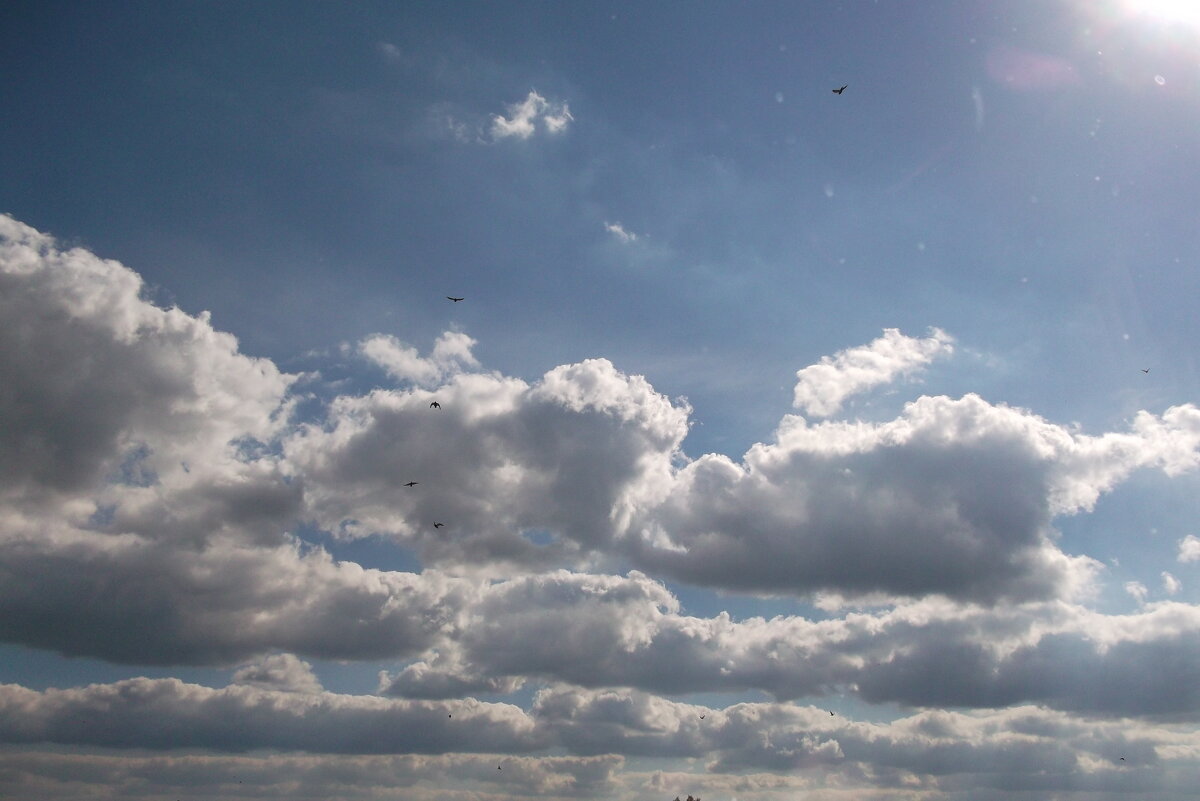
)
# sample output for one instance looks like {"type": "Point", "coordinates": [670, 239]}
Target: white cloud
{"type": "Point", "coordinates": [389, 51]}
{"type": "Point", "coordinates": [618, 231]}
{"type": "Point", "coordinates": [524, 116]}
{"type": "Point", "coordinates": [451, 355]}
{"type": "Point", "coordinates": [758, 750]}
{"type": "Point", "coordinates": [279, 672]}
{"type": "Point", "coordinates": [1171, 585]}
{"type": "Point", "coordinates": [822, 387]}
{"type": "Point", "coordinates": [1189, 549]}
{"type": "Point", "coordinates": [1137, 590]}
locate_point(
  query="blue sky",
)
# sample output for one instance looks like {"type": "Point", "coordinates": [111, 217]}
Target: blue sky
{"type": "Point", "coordinates": [763, 401]}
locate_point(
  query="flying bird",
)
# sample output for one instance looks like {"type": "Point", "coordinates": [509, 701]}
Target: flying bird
{"type": "Point", "coordinates": [456, 300]}
{"type": "Point", "coordinates": [830, 713]}
{"type": "Point", "coordinates": [439, 525]}
{"type": "Point", "coordinates": [435, 405]}
{"type": "Point", "coordinates": [411, 484]}
{"type": "Point", "coordinates": [839, 91]}
{"type": "Point", "coordinates": [702, 717]}
{"type": "Point", "coordinates": [1146, 370]}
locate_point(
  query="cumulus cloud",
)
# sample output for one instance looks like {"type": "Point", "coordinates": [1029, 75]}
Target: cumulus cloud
{"type": "Point", "coordinates": [861, 508]}
{"type": "Point", "coordinates": [149, 486]}
{"type": "Point", "coordinates": [571, 456]}
{"type": "Point", "coordinates": [279, 672]}
{"type": "Point", "coordinates": [524, 117]}
{"type": "Point", "coordinates": [821, 388]}
{"type": "Point", "coordinates": [451, 355]}
{"type": "Point", "coordinates": [36, 776]}
{"type": "Point", "coordinates": [168, 713]}
{"type": "Point", "coordinates": [970, 751]}
{"type": "Point", "coordinates": [1189, 549]}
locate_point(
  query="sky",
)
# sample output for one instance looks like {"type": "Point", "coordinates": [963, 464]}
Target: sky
{"type": "Point", "coordinates": [787, 444]}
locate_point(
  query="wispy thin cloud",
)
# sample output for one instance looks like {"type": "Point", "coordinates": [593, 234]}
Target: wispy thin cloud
{"type": "Point", "coordinates": [523, 118]}
{"type": "Point", "coordinates": [618, 231]}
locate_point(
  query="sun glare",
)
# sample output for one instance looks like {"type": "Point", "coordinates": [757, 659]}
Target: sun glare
{"type": "Point", "coordinates": [1186, 11]}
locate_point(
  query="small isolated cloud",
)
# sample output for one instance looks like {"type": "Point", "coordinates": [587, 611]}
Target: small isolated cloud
{"type": "Point", "coordinates": [1171, 585]}
{"type": "Point", "coordinates": [822, 387]}
{"type": "Point", "coordinates": [618, 230]}
{"type": "Point", "coordinates": [451, 354]}
{"type": "Point", "coordinates": [1189, 549]}
{"type": "Point", "coordinates": [524, 116]}
{"type": "Point", "coordinates": [1137, 590]}
{"type": "Point", "coordinates": [388, 51]}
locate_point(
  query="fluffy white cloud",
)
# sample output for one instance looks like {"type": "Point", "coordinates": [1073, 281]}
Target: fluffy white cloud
{"type": "Point", "coordinates": [168, 713]}
{"type": "Point", "coordinates": [99, 383]}
{"type": "Point", "coordinates": [500, 463]}
{"type": "Point", "coordinates": [451, 355]}
{"type": "Point", "coordinates": [935, 751]}
{"type": "Point", "coordinates": [1189, 549]}
{"type": "Point", "coordinates": [821, 388]}
{"type": "Point", "coordinates": [954, 496]}
{"type": "Point", "coordinates": [279, 672]}
{"type": "Point", "coordinates": [155, 495]}
{"type": "Point", "coordinates": [524, 116]}
{"type": "Point", "coordinates": [602, 631]}
{"type": "Point", "coordinates": [1137, 590]}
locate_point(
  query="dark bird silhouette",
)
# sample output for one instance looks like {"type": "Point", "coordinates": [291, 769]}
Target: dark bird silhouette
{"type": "Point", "coordinates": [830, 713]}
{"type": "Point", "coordinates": [439, 525]}
{"type": "Point", "coordinates": [411, 484]}
{"type": "Point", "coordinates": [449, 716]}
{"type": "Point", "coordinates": [839, 91]}
{"type": "Point", "coordinates": [456, 300]}
{"type": "Point", "coordinates": [1122, 759]}
{"type": "Point", "coordinates": [1146, 370]}
{"type": "Point", "coordinates": [435, 405]}
{"type": "Point", "coordinates": [702, 717]}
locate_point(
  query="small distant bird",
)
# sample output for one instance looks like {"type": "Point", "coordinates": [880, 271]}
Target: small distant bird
{"type": "Point", "coordinates": [411, 484]}
{"type": "Point", "coordinates": [456, 300]}
{"type": "Point", "coordinates": [435, 405]}
{"type": "Point", "coordinates": [702, 717]}
{"type": "Point", "coordinates": [1146, 370]}
{"type": "Point", "coordinates": [498, 767]}
{"type": "Point", "coordinates": [839, 91]}
{"type": "Point", "coordinates": [439, 525]}
{"type": "Point", "coordinates": [1122, 759]}
{"type": "Point", "coordinates": [830, 713]}
{"type": "Point", "coordinates": [449, 716]}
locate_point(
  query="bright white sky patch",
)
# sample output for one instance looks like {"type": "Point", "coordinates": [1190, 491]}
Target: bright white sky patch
{"type": "Point", "coordinates": [524, 116]}
{"type": "Point", "coordinates": [822, 387]}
